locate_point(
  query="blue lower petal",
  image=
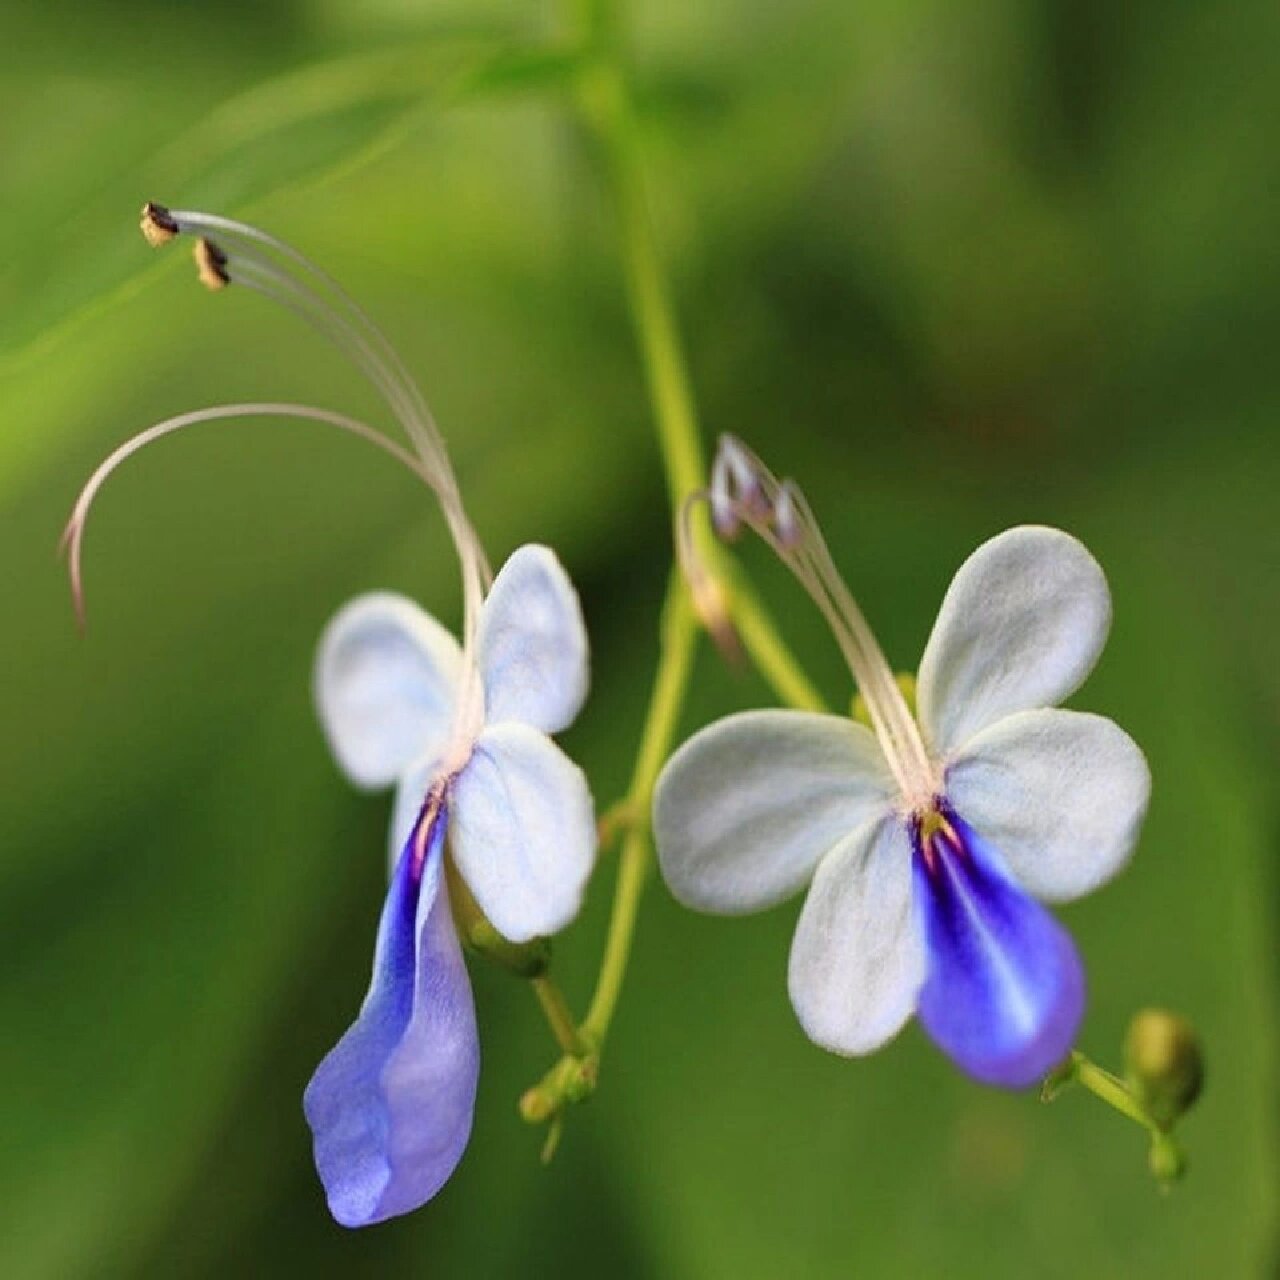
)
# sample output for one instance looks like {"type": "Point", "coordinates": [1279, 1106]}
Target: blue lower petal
{"type": "Point", "coordinates": [390, 1107]}
{"type": "Point", "coordinates": [1004, 987]}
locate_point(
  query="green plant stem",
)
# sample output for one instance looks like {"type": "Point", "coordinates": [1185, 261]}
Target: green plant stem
{"type": "Point", "coordinates": [604, 104]}
{"type": "Point", "coordinates": [1165, 1156]}
{"type": "Point", "coordinates": [675, 664]}
{"type": "Point", "coordinates": [559, 1019]}
{"type": "Point", "coordinates": [1111, 1089]}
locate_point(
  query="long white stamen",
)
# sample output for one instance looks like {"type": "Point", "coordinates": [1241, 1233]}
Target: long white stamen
{"type": "Point", "coordinates": [73, 537]}
{"type": "Point", "coordinates": [284, 291]}
{"type": "Point", "coordinates": [265, 279]}
{"type": "Point", "coordinates": [308, 291]}
{"type": "Point", "coordinates": [193, 221]}
{"type": "Point", "coordinates": [779, 514]}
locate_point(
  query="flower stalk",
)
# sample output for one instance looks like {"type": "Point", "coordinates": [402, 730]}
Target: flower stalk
{"type": "Point", "coordinates": [705, 592]}
{"type": "Point", "coordinates": [1165, 1157]}
{"type": "Point", "coordinates": [724, 606]}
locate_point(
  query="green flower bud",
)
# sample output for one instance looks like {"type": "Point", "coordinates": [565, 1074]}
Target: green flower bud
{"type": "Point", "coordinates": [1163, 1064]}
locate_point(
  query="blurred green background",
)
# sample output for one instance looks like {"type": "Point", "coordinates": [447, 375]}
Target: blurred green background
{"type": "Point", "coordinates": [952, 266]}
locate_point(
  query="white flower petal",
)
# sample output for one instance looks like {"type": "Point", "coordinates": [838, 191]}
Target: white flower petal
{"type": "Point", "coordinates": [1061, 795]}
{"type": "Point", "coordinates": [745, 808]}
{"type": "Point", "coordinates": [1021, 626]}
{"type": "Point", "coordinates": [385, 681]}
{"type": "Point", "coordinates": [532, 643]}
{"type": "Point", "coordinates": [857, 960]}
{"type": "Point", "coordinates": [523, 831]}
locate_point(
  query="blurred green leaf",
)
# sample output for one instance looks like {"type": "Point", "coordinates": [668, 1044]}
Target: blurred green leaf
{"type": "Point", "coordinates": [312, 124]}
{"type": "Point", "coordinates": [950, 268]}
{"type": "Point", "coordinates": [164, 890]}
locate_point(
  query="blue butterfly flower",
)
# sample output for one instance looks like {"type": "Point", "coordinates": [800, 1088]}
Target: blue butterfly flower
{"type": "Point", "coordinates": [929, 842]}
{"type": "Point", "coordinates": [464, 738]}
{"type": "Point", "coordinates": [461, 729]}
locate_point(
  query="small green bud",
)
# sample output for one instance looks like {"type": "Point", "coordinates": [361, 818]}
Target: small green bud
{"type": "Point", "coordinates": [1163, 1065]}
{"type": "Point", "coordinates": [905, 681]}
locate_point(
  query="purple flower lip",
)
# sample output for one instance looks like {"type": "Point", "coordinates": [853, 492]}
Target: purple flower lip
{"type": "Point", "coordinates": [390, 1107]}
{"type": "Point", "coordinates": [1004, 988]}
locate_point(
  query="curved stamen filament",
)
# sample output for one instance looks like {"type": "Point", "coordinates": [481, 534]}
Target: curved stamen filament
{"type": "Point", "coordinates": [778, 513]}
{"type": "Point", "coordinates": [73, 537]}
{"type": "Point", "coordinates": [266, 280]}
{"type": "Point", "coordinates": [339, 299]}
{"type": "Point", "coordinates": [293, 281]}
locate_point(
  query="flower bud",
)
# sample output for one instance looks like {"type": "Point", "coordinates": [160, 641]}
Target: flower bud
{"type": "Point", "coordinates": [1163, 1064]}
{"type": "Point", "coordinates": [570, 1080]}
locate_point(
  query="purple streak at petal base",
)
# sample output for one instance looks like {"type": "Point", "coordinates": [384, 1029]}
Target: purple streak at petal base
{"type": "Point", "coordinates": [1004, 990]}
{"type": "Point", "coordinates": [390, 1107]}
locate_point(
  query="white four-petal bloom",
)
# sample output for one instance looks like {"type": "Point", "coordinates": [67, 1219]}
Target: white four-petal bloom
{"type": "Point", "coordinates": [465, 741]}
{"type": "Point", "coordinates": [924, 880]}
{"type": "Point", "coordinates": [462, 731]}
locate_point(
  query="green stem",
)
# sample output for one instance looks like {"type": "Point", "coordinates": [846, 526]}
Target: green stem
{"type": "Point", "coordinates": [679, 633]}
{"type": "Point", "coordinates": [559, 1019]}
{"type": "Point", "coordinates": [1111, 1089]}
{"type": "Point", "coordinates": [605, 105]}
{"type": "Point", "coordinates": [1165, 1157]}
